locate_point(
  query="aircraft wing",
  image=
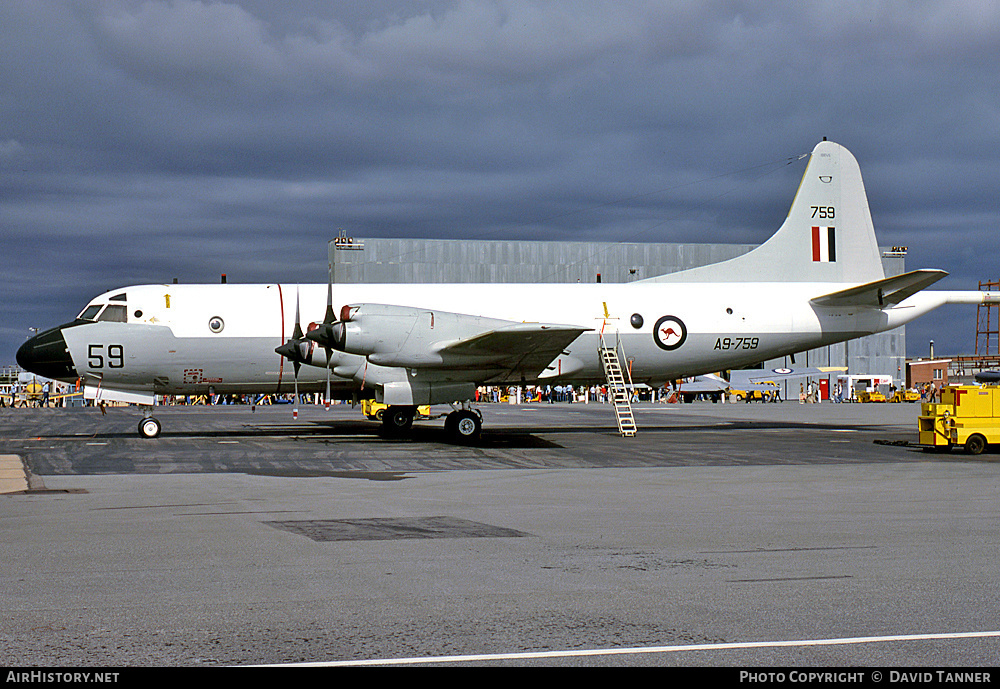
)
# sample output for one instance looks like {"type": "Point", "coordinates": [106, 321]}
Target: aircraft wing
{"type": "Point", "coordinates": [754, 379]}
{"type": "Point", "coordinates": [547, 339]}
{"type": "Point", "coordinates": [415, 338]}
{"type": "Point", "coordinates": [881, 293]}
{"type": "Point", "coordinates": [528, 347]}
{"type": "Point", "coordinates": [704, 384]}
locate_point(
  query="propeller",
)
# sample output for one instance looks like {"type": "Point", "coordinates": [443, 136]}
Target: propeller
{"type": "Point", "coordinates": [328, 333]}
{"type": "Point", "coordinates": [297, 350]}
{"type": "Point", "coordinates": [328, 318]}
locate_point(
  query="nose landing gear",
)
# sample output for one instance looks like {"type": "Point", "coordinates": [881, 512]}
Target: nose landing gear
{"type": "Point", "coordinates": [149, 427]}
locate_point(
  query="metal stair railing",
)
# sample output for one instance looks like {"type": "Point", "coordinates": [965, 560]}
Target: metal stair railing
{"type": "Point", "coordinates": [619, 389]}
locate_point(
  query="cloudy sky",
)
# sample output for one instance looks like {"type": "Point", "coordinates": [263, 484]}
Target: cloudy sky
{"type": "Point", "coordinates": [146, 140]}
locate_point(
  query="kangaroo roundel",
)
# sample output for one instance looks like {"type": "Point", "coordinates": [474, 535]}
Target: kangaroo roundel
{"type": "Point", "coordinates": [669, 333]}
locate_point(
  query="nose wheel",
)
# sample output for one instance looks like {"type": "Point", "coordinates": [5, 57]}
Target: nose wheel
{"type": "Point", "coordinates": [149, 427]}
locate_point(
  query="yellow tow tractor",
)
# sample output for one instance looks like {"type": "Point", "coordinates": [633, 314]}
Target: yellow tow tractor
{"type": "Point", "coordinates": [905, 396]}
{"type": "Point", "coordinates": [967, 416]}
{"type": "Point", "coordinates": [758, 394]}
{"type": "Point", "coordinates": [870, 396]}
{"type": "Point", "coordinates": [373, 410]}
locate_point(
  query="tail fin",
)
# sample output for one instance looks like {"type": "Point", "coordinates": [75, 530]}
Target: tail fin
{"type": "Point", "coordinates": [827, 237]}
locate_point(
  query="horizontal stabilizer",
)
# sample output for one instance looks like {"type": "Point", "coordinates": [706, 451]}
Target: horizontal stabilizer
{"type": "Point", "coordinates": [881, 293]}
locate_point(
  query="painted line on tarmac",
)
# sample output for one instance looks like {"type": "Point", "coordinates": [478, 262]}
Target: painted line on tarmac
{"type": "Point", "coordinates": [13, 477]}
{"type": "Point", "coordinates": [641, 650]}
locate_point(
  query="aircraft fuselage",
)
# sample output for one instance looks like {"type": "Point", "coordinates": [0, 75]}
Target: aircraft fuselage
{"type": "Point", "coordinates": [190, 339]}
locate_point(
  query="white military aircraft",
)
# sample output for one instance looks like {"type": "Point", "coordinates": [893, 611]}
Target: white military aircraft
{"type": "Point", "coordinates": [818, 280]}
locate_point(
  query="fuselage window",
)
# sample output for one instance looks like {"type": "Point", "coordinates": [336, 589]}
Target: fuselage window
{"type": "Point", "coordinates": [115, 313]}
{"type": "Point", "coordinates": [90, 313]}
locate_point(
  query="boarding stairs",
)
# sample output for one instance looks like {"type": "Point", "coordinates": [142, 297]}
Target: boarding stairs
{"type": "Point", "coordinates": [619, 390]}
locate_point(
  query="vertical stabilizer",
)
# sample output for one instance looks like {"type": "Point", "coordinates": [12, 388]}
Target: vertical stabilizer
{"type": "Point", "coordinates": [827, 237]}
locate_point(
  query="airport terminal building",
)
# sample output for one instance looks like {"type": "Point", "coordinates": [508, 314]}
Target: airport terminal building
{"type": "Point", "coordinates": [377, 261]}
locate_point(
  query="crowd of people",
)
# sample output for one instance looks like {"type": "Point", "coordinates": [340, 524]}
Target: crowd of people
{"type": "Point", "coordinates": [516, 394]}
{"type": "Point", "coordinates": [35, 394]}
{"type": "Point", "coordinates": [47, 393]}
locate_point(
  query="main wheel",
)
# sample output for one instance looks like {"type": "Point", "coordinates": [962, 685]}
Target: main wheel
{"type": "Point", "coordinates": [464, 426]}
{"type": "Point", "coordinates": [975, 445]}
{"type": "Point", "coordinates": [397, 419]}
{"type": "Point", "coordinates": [149, 427]}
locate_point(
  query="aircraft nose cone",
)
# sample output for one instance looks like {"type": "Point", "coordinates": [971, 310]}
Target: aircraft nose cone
{"type": "Point", "coordinates": [47, 355]}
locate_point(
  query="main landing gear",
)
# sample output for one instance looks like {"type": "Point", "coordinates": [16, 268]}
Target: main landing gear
{"type": "Point", "coordinates": [462, 425]}
{"type": "Point", "coordinates": [397, 419]}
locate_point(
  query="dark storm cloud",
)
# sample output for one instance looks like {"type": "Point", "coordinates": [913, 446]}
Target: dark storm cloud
{"type": "Point", "coordinates": [141, 141]}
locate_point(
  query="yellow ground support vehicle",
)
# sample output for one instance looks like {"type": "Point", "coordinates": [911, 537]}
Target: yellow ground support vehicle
{"type": "Point", "coordinates": [870, 396]}
{"type": "Point", "coordinates": [905, 396]}
{"type": "Point", "coordinates": [373, 410]}
{"type": "Point", "coordinates": [967, 416]}
{"type": "Point", "coordinates": [758, 395]}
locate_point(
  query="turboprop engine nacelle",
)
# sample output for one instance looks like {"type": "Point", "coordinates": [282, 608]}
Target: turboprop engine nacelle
{"type": "Point", "coordinates": [401, 335]}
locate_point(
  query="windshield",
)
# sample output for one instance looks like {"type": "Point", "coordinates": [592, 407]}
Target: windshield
{"type": "Point", "coordinates": [90, 313]}
{"type": "Point", "coordinates": [114, 313]}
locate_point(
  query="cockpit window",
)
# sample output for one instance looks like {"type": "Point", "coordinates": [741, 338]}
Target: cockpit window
{"type": "Point", "coordinates": [119, 297]}
{"type": "Point", "coordinates": [90, 313]}
{"type": "Point", "coordinates": [114, 313]}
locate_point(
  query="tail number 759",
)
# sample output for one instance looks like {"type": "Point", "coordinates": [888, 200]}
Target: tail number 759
{"type": "Point", "coordinates": [100, 357]}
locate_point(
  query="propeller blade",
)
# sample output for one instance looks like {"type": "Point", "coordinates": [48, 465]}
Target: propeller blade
{"type": "Point", "coordinates": [328, 318]}
{"type": "Point", "coordinates": [295, 349]}
{"type": "Point", "coordinates": [297, 337]}
{"type": "Point", "coordinates": [326, 400]}
{"type": "Point", "coordinates": [297, 333]}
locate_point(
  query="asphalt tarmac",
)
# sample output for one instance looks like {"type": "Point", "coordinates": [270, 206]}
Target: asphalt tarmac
{"type": "Point", "coordinates": [720, 535]}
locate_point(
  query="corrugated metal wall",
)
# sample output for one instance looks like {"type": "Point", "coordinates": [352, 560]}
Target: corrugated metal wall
{"type": "Point", "coordinates": [450, 260]}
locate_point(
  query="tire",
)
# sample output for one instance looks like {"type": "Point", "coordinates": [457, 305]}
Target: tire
{"type": "Point", "coordinates": [464, 426]}
{"type": "Point", "coordinates": [149, 427]}
{"type": "Point", "coordinates": [975, 445]}
{"type": "Point", "coordinates": [397, 419]}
